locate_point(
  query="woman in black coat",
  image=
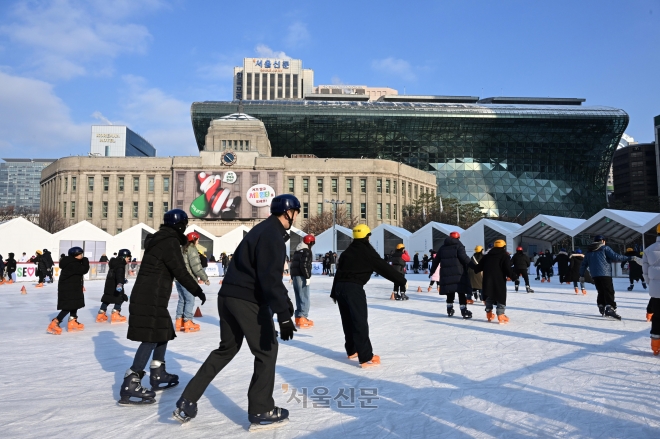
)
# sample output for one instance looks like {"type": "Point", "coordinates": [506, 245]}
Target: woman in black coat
{"type": "Point", "coordinates": [454, 277]}
{"type": "Point", "coordinates": [113, 292]}
{"type": "Point", "coordinates": [10, 268]}
{"type": "Point", "coordinates": [70, 297]}
{"type": "Point", "coordinates": [398, 261]}
{"type": "Point", "coordinates": [575, 261]}
{"type": "Point", "coordinates": [496, 266]}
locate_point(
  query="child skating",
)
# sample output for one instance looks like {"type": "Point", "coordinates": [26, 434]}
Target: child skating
{"type": "Point", "coordinates": [113, 292]}
{"type": "Point", "coordinates": [70, 297]}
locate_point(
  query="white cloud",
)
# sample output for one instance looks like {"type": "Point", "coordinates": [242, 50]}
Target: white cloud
{"type": "Point", "coordinates": [34, 122]}
{"type": "Point", "coordinates": [99, 116]}
{"type": "Point", "coordinates": [264, 51]}
{"type": "Point", "coordinates": [336, 80]}
{"type": "Point", "coordinates": [217, 71]}
{"type": "Point", "coordinates": [396, 67]}
{"type": "Point", "coordinates": [297, 35]}
{"type": "Point", "coordinates": [71, 38]}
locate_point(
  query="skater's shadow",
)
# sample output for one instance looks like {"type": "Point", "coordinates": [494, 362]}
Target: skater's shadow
{"type": "Point", "coordinates": [112, 356]}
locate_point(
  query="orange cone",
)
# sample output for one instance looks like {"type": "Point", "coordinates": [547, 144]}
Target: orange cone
{"type": "Point", "coordinates": [220, 282]}
{"type": "Point", "coordinates": [198, 313]}
{"type": "Point", "coordinates": [23, 290]}
{"type": "Point", "coordinates": [419, 289]}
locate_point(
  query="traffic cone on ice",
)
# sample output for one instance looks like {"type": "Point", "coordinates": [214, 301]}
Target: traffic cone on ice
{"type": "Point", "coordinates": [198, 313]}
{"type": "Point", "coordinates": [23, 290]}
{"type": "Point", "coordinates": [220, 282]}
{"type": "Point", "coordinates": [419, 289]}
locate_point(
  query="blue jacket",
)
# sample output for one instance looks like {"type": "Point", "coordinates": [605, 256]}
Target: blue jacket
{"type": "Point", "coordinates": [599, 260]}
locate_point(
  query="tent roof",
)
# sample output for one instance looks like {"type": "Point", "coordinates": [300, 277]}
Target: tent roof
{"type": "Point", "coordinates": [81, 226]}
{"type": "Point", "coordinates": [620, 225]}
{"type": "Point", "coordinates": [394, 229]}
{"type": "Point", "coordinates": [445, 228]}
{"type": "Point", "coordinates": [20, 222]}
{"type": "Point", "coordinates": [549, 228]}
{"type": "Point", "coordinates": [138, 226]}
{"type": "Point", "coordinates": [503, 227]}
{"type": "Point", "coordinates": [342, 229]}
{"type": "Point", "coordinates": [297, 231]}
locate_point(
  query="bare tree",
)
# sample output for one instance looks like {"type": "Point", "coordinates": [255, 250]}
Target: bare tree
{"type": "Point", "coordinates": [11, 212]}
{"type": "Point", "coordinates": [426, 208]}
{"type": "Point", "coordinates": [51, 221]}
{"type": "Point", "coordinates": [320, 223]}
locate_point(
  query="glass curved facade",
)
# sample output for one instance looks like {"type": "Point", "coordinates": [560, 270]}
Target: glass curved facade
{"type": "Point", "coordinates": [514, 160]}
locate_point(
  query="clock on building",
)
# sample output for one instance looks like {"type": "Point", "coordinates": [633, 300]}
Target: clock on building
{"type": "Point", "coordinates": [228, 158]}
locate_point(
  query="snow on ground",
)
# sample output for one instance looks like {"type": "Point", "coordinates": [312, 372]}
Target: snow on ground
{"type": "Point", "coordinates": [557, 370]}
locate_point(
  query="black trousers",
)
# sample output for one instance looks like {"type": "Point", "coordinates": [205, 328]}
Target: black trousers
{"type": "Point", "coordinates": [399, 287]}
{"type": "Point", "coordinates": [605, 290]}
{"type": "Point", "coordinates": [64, 312]}
{"type": "Point", "coordinates": [521, 272]}
{"type": "Point", "coordinates": [242, 319]}
{"type": "Point", "coordinates": [462, 300]}
{"type": "Point", "coordinates": [352, 302]}
{"type": "Point", "coordinates": [654, 308]}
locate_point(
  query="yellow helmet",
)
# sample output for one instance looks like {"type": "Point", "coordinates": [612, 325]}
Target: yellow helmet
{"type": "Point", "coordinates": [657, 229]}
{"type": "Point", "coordinates": [39, 252]}
{"type": "Point", "coordinates": [499, 243]}
{"type": "Point", "coordinates": [629, 249]}
{"type": "Point", "coordinates": [361, 231]}
{"type": "Point", "coordinates": [478, 249]}
{"type": "Point", "coordinates": [400, 246]}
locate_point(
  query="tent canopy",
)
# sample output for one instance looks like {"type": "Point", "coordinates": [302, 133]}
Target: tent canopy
{"type": "Point", "coordinates": [549, 228]}
{"type": "Point", "coordinates": [618, 225]}
{"type": "Point", "coordinates": [432, 235]}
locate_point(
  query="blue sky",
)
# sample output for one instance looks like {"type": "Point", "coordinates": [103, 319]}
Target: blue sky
{"type": "Point", "coordinates": [65, 64]}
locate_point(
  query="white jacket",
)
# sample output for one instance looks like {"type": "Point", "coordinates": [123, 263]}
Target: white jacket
{"type": "Point", "coordinates": [651, 268]}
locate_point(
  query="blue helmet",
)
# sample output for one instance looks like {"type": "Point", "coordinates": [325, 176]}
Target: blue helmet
{"type": "Point", "coordinates": [562, 249]}
{"type": "Point", "coordinates": [75, 251]}
{"type": "Point", "coordinates": [282, 203]}
{"type": "Point", "coordinates": [578, 251]}
{"type": "Point", "coordinates": [124, 253]}
{"type": "Point", "coordinates": [175, 216]}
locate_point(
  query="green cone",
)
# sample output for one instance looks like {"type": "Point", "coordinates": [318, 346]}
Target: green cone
{"type": "Point", "coordinates": [199, 207]}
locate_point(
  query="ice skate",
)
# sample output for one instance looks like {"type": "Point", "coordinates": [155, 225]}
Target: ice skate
{"type": "Point", "coordinates": [450, 310]}
{"type": "Point", "coordinates": [10, 281]}
{"type": "Point", "coordinates": [502, 319]}
{"type": "Point", "coordinates": [643, 285]}
{"type": "Point", "coordinates": [73, 325]}
{"type": "Point", "coordinates": [269, 420]}
{"type": "Point", "coordinates": [115, 317]}
{"type": "Point", "coordinates": [190, 326]}
{"type": "Point", "coordinates": [428, 290]}
{"type": "Point", "coordinates": [185, 410]}
{"type": "Point", "coordinates": [393, 296]}
{"type": "Point", "coordinates": [584, 292]}
{"type": "Point", "coordinates": [630, 288]}
{"type": "Point", "coordinates": [529, 289]}
{"type": "Point", "coordinates": [516, 288]}
{"type": "Point", "coordinates": [466, 313]}
{"type": "Point", "coordinates": [178, 324]}
{"type": "Point", "coordinates": [548, 280]}
{"type": "Point", "coordinates": [611, 313]}
{"type": "Point", "coordinates": [54, 327]}
{"type": "Point", "coordinates": [469, 302]}
{"type": "Point", "coordinates": [375, 361]}
{"type": "Point", "coordinates": [490, 316]}
{"type": "Point", "coordinates": [353, 356]}
{"type": "Point", "coordinates": [158, 375]}
{"type": "Point", "coordinates": [132, 388]}
{"type": "Point", "coordinates": [303, 322]}
{"type": "Point", "coordinates": [577, 291]}
{"type": "Point", "coordinates": [404, 296]}
{"type": "Point", "coordinates": [39, 285]}
{"type": "Point", "coordinates": [655, 346]}
{"type": "Point", "coordinates": [101, 317]}
{"type": "Point", "coordinates": [649, 316]}
{"type": "Point", "coordinates": [601, 309]}
{"type": "Point", "coordinates": [543, 280]}
{"type": "Point", "coordinates": [397, 296]}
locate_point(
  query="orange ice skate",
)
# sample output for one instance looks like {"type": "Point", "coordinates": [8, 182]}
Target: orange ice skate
{"type": "Point", "coordinates": [490, 316]}
{"type": "Point", "coordinates": [10, 281]}
{"type": "Point", "coordinates": [54, 327]}
{"type": "Point", "coordinates": [39, 285]}
{"type": "Point", "coordinates": [353, 356]}
{"type": "Point", "coordinates": [503, 319]}
{"type": "Point", "coordinates": [116, 317]}
{"type": "Point", "coordinates": [649, 316]}
{"type": "Point", "coordinates": [375, 361]}
{"type": "Point", "coordinates": [178, 324]}
{"type": "Point", "coordinates": [655, 346]}
{"type": "Point", "coordinates": [576, 290]}
{"type": "Point", "coordinates": [190, 326]}
{"type": "Point", "coordinates": [303, 322]}
{"type": "Point", "coordinates": [584, 292]}
{"type": "Point", "coordinates": [101, 317]}
{"type": "Point", "coordinates": [428, 290]}
{"type": "Point", "coordinates": [470, 301]}
{"type": "Point", "coordinates": [73, 325]}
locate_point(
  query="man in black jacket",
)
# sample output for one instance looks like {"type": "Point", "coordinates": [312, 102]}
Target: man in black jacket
{"type": "Point", "coordinates": [520, 263]}
{"type": "Point", "coordinates": [251, 291]}
{"type": "Point", "coordinates": [301, 273]}
{"type": "Point", "coordinates": [354, 270]}
{"type": "Point", "coordinates": [545, 261]}
{"type": "Point", "coordinates": [562, 265]}
{"type": "Point", "coordinates": [454, 276]}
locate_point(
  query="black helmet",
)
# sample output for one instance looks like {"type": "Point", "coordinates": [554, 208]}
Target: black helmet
{"type": "Point", "coordinates": [124, 253]}
{"type": "Point", "coordinates": [75, 251]}
{"type": "Point", "coordinates": [282, 203]}
{"type": "Point", "coordinates": [175, 216]}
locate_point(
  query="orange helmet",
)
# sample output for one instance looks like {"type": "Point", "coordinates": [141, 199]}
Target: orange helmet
{"type": "Point", "coordinates": [309, 239]}
{"type": "Point", "coordinates": [455, 235]}
{"type": "Point", "coordinates": [192, 236]}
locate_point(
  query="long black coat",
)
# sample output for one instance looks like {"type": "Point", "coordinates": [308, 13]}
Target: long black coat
{"type": "Point", "coordinates": [496, 267]}
{"type": "Point", "coordinates": [453, 260]}
{"type": "Point", "coordinates": [10, 264]}
{"type": "Point", "coordinates": [545, 261]}
{"type": "Point", "coordinates": [116, 275]}
{"type": "Point", "coordinates": [70, 285]}
{"type": "Point", "coordinates": [562, 263]}
{"type": "Point", "coordinates": [149, 320]}
{"type": "Point", "coordinates": [575, 260]}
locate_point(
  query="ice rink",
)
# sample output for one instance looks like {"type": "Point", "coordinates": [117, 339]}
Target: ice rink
{"type": "Point", "coordinates": [557, 370]}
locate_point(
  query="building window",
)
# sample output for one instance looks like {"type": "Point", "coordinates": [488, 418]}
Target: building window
{"type": "Point", "coordinates": [363, 185]}
{"type": "Point", "coordinates": [379, 186]}
{"type": "Point", "coordinates": [319, 208]}
{"type": "Point", "coordinates": [387, 186]}
{"type": "Point", "coordinates": [180, 182]}
{"type": "Point", "coordinates": [166, 184]}
{"type": "Point", "coordinates": [333, 184]}
{"type": "Point", "coordinates": [394, 212]}
{"type": "Point", "coordinates": [118, 230]}
{"type": "Point", "coordinates": [416, 191]}
{"type": "Point", "coordinates": [136, 184]}
{"type": "Point", "coordinates": [151, 184]}
{"type": "Point", "coordinates": [104, 209]}
{"type": "Point", "coordinates": [90, 183]}
{"type": "Point", "coordinates": [247, 145]}
{"type": "Point", "coordinates": [179, 204]}
{"type": "Point", "coordinates": [150, 209]}
{"type": "Point", "coordinates": [120, 209]}
{"type": "Point", "coordinates": [292, 182]}
{"type": "Point", "coordinates": [410, 190]}
{"type": "Point", "coordinates": [319, 184]}
{"type": "Point", "coordinates": [349, 185]}
{"type": "Point", "coordinates": [394, 187]}
{"type": "Point", "coordinates": [90, 209]}
{"type": "Point", "coordinates": [64, 212]}
{"type": "Point", "coordinates": [74, 183]}
{"type": "Point", "coordinates": [387, 211]}
{"type": "Point", "coordinates": [363, 211]}
{"type": "Point", "coordinates": [224, 144]}
{"type": "Point", "coordinates": [106, 184]}
{"type": "Point", "coordinates": [73, 209]}
{"type": "Point", "coordinates": [379, 211]}
{"type": "Point", "coordinates": [306, 186]}
{"type": "Point", "coordinates": [66, 183]}
{"type": "Point", "coordinates": [166, 206]}
{"type": "Point", "coordinates": [255, 211]}
{"type": "Point", "coordinates": [349, 210]}
{"type": "Point", "coordinates": [135, 209]}
{"type": "Point", "coordinates": [305, 210]}
{"type": "Point", "coordinates": [120, 183]}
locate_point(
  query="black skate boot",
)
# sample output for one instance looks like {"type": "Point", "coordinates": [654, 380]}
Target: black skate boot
{"type": "Point", "coordinates": [516, 288]}
{"type": "Point", "coordinates": [466, 313]}
{"type": "Point", "coordinates": [404, 296]}
{"type": "Point", "coordinates": [269, 420]}
{"type": "Point", "coordinates": [397, 296]}
{"type": "Point", "coordinates": [643, 285]}
{"type": "Point", "coordinates": [450, 310]}
{"type": "Point", "coordinates": [529, 289]}
{"type": "Point", "coordinates": [185, 410]}
{"type": "Point", "coordinates": [611, 313]}
{"type": "Point", "coordinates": [601, 309]}
{"type": "Point", "coordinates": [132, 388]}
{"type": "Point", "coordinates": [630, 288]}
{"type": "Point", "coordinates": [158, 375]}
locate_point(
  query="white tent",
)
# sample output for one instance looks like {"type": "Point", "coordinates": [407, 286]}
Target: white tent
{"type": "Point", "coordinates": [324, 240]}
{"type": "Point", "coordinates": [486, 231]}
{"type": "Point", "coordinates": [543, 231]}
{"type": "Point", "coordinates": [431, 236]}
{"type": "Point", "coordinates": [385, 238]}
{"type": "Point", "coordinates": [207, 240]}
{"type": "Point", "coordinates": [19, 235]}
{"type": "Point", "coordinates": [83, 234]}
{"type": "Point", "coordinates": [131, 239]}
{"type": "Point", "coordinates": [295, 237]}
{"type": "Point", "coordinates": [620, 226]}
{"type": "Point", "coordinates": [228, 242]}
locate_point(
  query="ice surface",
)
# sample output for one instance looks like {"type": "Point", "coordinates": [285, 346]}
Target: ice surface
{"type": "Point", "coordinates": [557, 370]}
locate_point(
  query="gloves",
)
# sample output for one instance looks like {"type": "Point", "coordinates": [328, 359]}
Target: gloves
{"type": "Point", "coordinates": [287, 328]}
{"type": "Point", "coordinates": [581, 279]}
{"type": "Point", "coordinates": [200, 294]}
{"type": "Point", "coordinates": [308, 281]}
{"type": "Point", "coordinates": [430, 275]}
{"type": "Point", "coordinates": [124, 297]}
{"type": "Point", "coordinates": [119, 288]}
{"type": "Point", "coordinates": [208, 282]}
{"type": "Point", "coordinates": [291, 309]}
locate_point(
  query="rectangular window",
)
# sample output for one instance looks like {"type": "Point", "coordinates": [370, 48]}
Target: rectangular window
{"type": "Point", "coordinates": [179, 204]}
{"type": "Point", "coordinates": [248, 86]}
{"type": "Point", "coordinates": [379, 186]}
{"type": "Point", "coordinates": [279, 85]}
{"type": "Point", "coordinates": [415, 191]}
{"type": "Point", "coordinates": [119, 230]}
{"type": "Point", "coordinates": [387, 186]}
{"type": "Point", "coordinates": [73, 209]}
{"type": "Point", "coordinates": [264, 86]}
{"type": "Point", "coordinates": [363, 211]}
{"type": "Point", "coordinates": [305, 210]}
{"type": "Point", "coordinates": [255, 211]}
{"type": "Point", "coordinates": [394, 187]}
{"type": "Point", "coordinates": [394, 212]}
{"type": "Point", "coordinates": [152, 184]}
{"type": "Point", "coordinates": [363, 185]}
{"type": "Point", "coordinates": [90, 209]}
{"type": "Point", "coordinates": [319, 208]}
{"type": "Point", "coordinates": [136, 184]}
{"type": "Point", "coordinates": [74, 183]}
{"type": "Point", "coordinates": [224, 144]}
{"type": "Point", "coordinates": [135, 209]}
{"type": "Point", "coordinates": [90, 183]}
{"type": "Point", "coordinates": [292, 182]}
{"type": "Point", "coordinates": [295, 87]}
{"type": "Point", "coordinates": [150, 209]}
{"type": "Point", "coordinates": [306, 185]}
{"type": "Point", "coordinates": [247, 145]}
{"type": "Point", "coordinates": [387, 211]}
{"type": "Point", "coordinates": [255, 178]}
{"type": "Point", "coordinates": [106, 184]}
{"type": "Point", "coordinates": [257, 95]}
{"type": "Point", "coordinates": [104, 210]}
{"type": "Point", "coordinates": [319, 184]}
{"type": "Point", "coordinates": [349, 185]}
{"type": "Point", "coordinates": [64, 212]}
{"type": "Point", "coordinates": [180, 181]}
{"type": "Point", "coordinates": [272, 86]}
{"type": "Point", "coordinates": [66, 183]}
{"type": "Point", "coordinates": [166, 184]}
{"type": "Point", "coordinates": [333, 183]}
{"type": "Point", "coordinates": [166, 206]}
{"type": "Point", "coordinates": [349, 209]}
{"type": "Point", "coordinates": [379, 211]}
{"type": "Point", "coordinates": [120, 183]}
{"type": "Point", "coordinates": [410, 190]}
{"type": "Point", "coordinates": [120, 209]}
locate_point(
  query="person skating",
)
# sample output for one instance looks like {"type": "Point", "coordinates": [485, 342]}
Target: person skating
{"type": "Point", "coordinates": [251, 292]}
{"type": "Point", "coordinates": [113, 290]}
{"type": "Point", "coordinates": [416, 263]}
{"type": "Point", "coordinates": [435, 278]}
{"type": "Point", "coordinates": [41, 269]}
{"type": "Point", "coordinates": [103, 260]}
{"type": "Point", "coordinates": [476, 279]}
{"type": "Point", "coordinates": [496, 267]}
{"type": "Point", "coordinates": [546, 262]}
{"type": "Point", "coordinates": [520, 263]}
{"type": "Point", "coordinates": [301, 275]}
{"type": "Point", "coordinates": [399, 261]}
{"type": "Point", "coordinates": [575, 261]}
{"type": "Point", "coordinates": [2, 270]}
{"type": "Point", "coordinates": [537, 265]}
{"type": "Point", "coordinates": [10, 267]}
{"type": "Point", "coordinates": [70, 297]}
{"type": "Point", "coordinates": [454, 277]}
{"type": "Point", "coordinates": [599, 260]}
{"type": "Point", "coordinates": [651, 272]}
{"type": "Point", "coordinates": [562, 265]}
{"type": "Point", "coordinates": [425, 262]}
{"type": "Point", "coordinates": [149, 322]}
{"type": "Point", "coordinates": [634, 270]}
{"type": "Point", "coordinates": [186, 304]}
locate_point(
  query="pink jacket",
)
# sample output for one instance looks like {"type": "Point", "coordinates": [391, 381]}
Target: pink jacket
{"type": "Point", "coordinates": [435, 277]}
